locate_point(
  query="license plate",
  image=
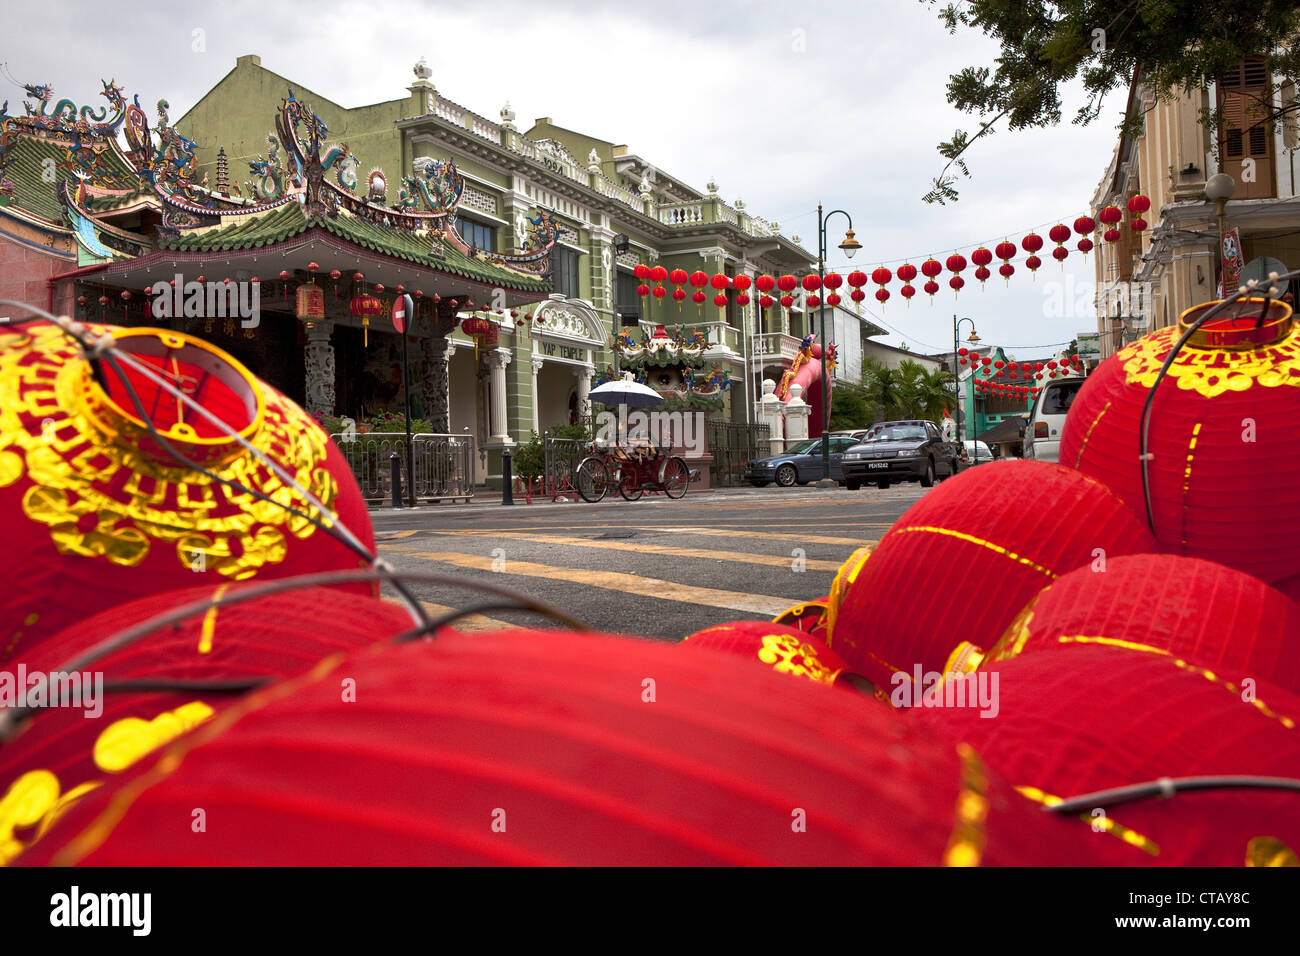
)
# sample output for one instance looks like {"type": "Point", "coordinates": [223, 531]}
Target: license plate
{"type": "Point", "coordinates": [877, 464]}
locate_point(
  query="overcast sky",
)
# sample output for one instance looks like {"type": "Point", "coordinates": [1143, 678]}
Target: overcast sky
{"type": "Point", "coordinates": [785, 104]}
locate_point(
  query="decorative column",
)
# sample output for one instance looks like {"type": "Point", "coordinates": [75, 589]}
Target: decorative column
{"type": "Point", "coordinates": [770, 415]}
{"type": "Point", "coordinates": [318, 359]}
{"type": "Point", "coordinates": [498, 359]}
{"type": "Point", "coordinates": [583, 375]}
{"type": "Point", "coordinates": [537, 368]}
{"type": "Point", "coordinates": [435, 381]}
{"type": "Point", "coordinates": [796, 416]}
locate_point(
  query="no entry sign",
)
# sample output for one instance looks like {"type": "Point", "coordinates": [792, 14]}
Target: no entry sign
{"type": "Point", "coordinates": [402, 307]}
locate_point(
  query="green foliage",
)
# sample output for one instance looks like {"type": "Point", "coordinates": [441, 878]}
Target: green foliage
{"type": "Point", "coordinates": [1178, 45]}
{"type": "Point", "coordinates": [909, 391]}
{"type": "Point", "coordinates": [850, 407]}
{"type": "Point", "coordinates": [529, 458]}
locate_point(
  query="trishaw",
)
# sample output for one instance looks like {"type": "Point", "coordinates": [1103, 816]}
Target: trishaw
{"type": "Point", "coordinates": [631, 469]}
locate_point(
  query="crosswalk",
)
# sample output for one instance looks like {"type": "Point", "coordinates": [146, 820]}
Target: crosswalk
{"type": "Point", "coordinates": [654, 579]}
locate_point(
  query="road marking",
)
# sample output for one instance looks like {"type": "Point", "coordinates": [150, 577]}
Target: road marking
{"type": "Point", "coordinates": [741, 557]}
{"type": "Point", "coordinates": [471, 622]}
{"type": "Point", "coordinates": [623, 583]}
{"type": "Point", "coordinates": [751, 533]}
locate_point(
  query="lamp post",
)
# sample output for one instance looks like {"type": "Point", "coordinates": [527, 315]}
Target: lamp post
{"type": "Point", "coordinates": [970, 404]}
{"type": "Point", "coordinates": [849, 247]}
{"type": "Point", "coordinates": [1219, 189]}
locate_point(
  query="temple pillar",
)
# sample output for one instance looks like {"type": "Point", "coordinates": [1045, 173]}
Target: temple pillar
{"type": "Point", "coordinates": [537, 399]}
{"type": "Point", "coordinates": [318, 360]}
{"type": "Point", "coordinates": [498, 359]}
{"type": "Point", "coordinates": [583, 375]}
{"type": "Point", "coordinates": [435, 381]}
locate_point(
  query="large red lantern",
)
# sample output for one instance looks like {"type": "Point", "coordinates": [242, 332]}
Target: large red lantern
{"type": "Point", "coordinates": [765, 283]}
{"type": "Point", "coordinates": [526, 747]}
{"type": "Point", "coordinates": [811, 283]}
{"type": "Point", "coordinates": [60, 752]}
{"type": "Point", "coordinates": [741, 282]}
{"type": "Point", "coordinates": [1222, 432]}
{"type": "Point", "coordinates": [1010, 529]}
{"type": "Point", "coordinates": [832, 280]}
{"type": "Point", "coordinates": [720, 281]}
{"type": "Point", "coordinates": [642, 271]}
{"type": "Point", "coordinates": [1111, 217]}
{"type": "Point", "coordinates": [784, 649]}
{"type": "Point", "coordinates": [658, 274]}
{"type": "Point", "coordinates": [97, 512]}
{"type": "Point", "coordinates": [1082, 719]}
{"type": "Point", "coordinates": [699, 279]}
{"type": "Point", "coordinates": [678, 277]}
{"type": "Point", "coordinates": [907, 272]}
{"type": "Point", "coordinates": [1187, 608]}
{"type": "Point", "coordinates": [787, 283]}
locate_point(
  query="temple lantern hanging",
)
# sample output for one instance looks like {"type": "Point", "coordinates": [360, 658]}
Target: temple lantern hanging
{"type": "Point", "coordinates": [658, 292]}
{"type": "Point", "coordinates": [742, 299]}
{"type": "Point", "coordinates": [765, 302]}
{"type": "Point", "coordinates": [642, 271]}
{"type": "Point", "coordinates": [1111, 217]}
{"type": "Point", "coordinates": [857, 279]}
{"type": "Point", "coordinates": [833, 299]}
{"type": "Point", "coordinates": [813, 301]}
{"type": "Point", "coordinates": [857, 295]}
{"type": "Point", "coordinates": [1138, 224]}
{"type": "Point", "coordinates": [765, 283]}
{"type": "Point", "coordinates": [310, 302]}
{"type": "Point", "coordinates": [882, 295]}
{"type": "Point", "coordinates": [787, 283]}
{"type": "Point", "coordinates": [699, 279]}
{"type": "Point", "coordinates": [1033, 263]}
{"type": "Point", "coordinates": [811, 283]}
{"type": "Point", "coordinates": [679, 296]}
{"type": "Point", "coordinates": [1138, 205]}
{"type": "Point", "coordinates": [832, 281]}
{"type": "Point", "coordinates": [931, 268]}
{"type": "Point", "coordinates": [364, 306]}
{"type": "Point", "coordinates": [787, 301]}
{"type": "Point", "coordinates": [720, 281]}
{"type": "Point", "coordinates": [906, 272]}
{"type": "Point", "coordinates": [643, 290]}
{"type": "Point", "coordinates": [741, 283]}
{"type": "Point", "coordinates": [1084, 245]}
{"type": "Point", "coordinates": [698, 297]}
{"type": "Point", "coordinates": [678, 277]}
{"type": "Point", "coordinates": [1221, 449]}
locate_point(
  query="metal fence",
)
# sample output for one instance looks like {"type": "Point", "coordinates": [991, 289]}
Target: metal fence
{"type": "Point", "coordinates": [733, 445]}
{"type": "Point", "coordinates": [561, 458]}
{"type": "Point", "coordinates": [444, 464]}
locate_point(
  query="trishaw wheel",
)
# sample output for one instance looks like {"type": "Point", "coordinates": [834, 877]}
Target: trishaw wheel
{"type": "Point", "coordinates": [629, 483]}
{"type": "Point", "coordinates": [591, 478]}
{"type": "Point", "coordinates": [676, 477]}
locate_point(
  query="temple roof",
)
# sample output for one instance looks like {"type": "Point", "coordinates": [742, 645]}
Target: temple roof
{"type": "Point", "coordinates": [290, 219]}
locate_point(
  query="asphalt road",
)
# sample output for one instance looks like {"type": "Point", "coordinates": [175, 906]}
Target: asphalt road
{"type": "Point", "coordinates": [653, 567]}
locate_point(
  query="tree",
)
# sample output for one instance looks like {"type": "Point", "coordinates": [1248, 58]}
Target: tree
{"type": "Point", "coordinates": [1176, 44]}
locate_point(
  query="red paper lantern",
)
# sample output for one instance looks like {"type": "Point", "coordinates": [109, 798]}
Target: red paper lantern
{"type": "Point", "coordinates": [907, 292]}
{"type": "Point", "coordinates": [981, 256]}
{"type": "Point", "coordinates": [1111, 235]}
{"type": "Point", "coordinates": [907, 272]}
{"type": "Point", "coordinates": [1032, 263]}
{"type": "Point", "coordinates": [1137, 225]}
{"type": "Point", "coordinates": [138, 522]}
{"type": "Point", "coordinates": [658, 291]}
{"type": "Point", "coordinates": [1196, 610]}
{"type": "Point", "coordinates": [1110, 215]}
{"type": "Point", "coordinates": [643, 290]}
{"type": "Point", "coordinates": [1138, 204]}
{"type": "Point", "coordinates": [956, 282]}
{"type": "Point", "coordinates": [1059, 254]}
{"type": "Point", "coordinates": [882, 295]}
{"type": "Point", "coordinates": [857, 295]}
{"type": "Point", "coordinates": [857, 279]}
{"type": "Point", "coordinates": [1084, 245]}
{"type": "Point", "coordinates": [1007, 270]}
{"type": "Point", "coordinates": [1005, 250]}
{"type": "Point", "coordinates": [642, 271]}
{"type": "Point", "coordinates": [1032, 242]}
{"type": "Point", "coordinates": [719, 300]}
{"type": "Point", "coordinates": [1084, 225]}
{"type": "Point", "coordinates": [699, 279]}
{"type": "Point", "coordinates": [787, 283]}
{"type": "Point", "coordinates": [276, 637]}
{"type": "Point", "coordinates": [765, 283]}
{"type": "Point", "coordinates": [1221, 436]}
{"type": "Point", "coordinates": [881, 276]}
{"type": "Point", "coordinates": [1084, 718]}
{"type": "Point", "coordinates": [956, 262]}
{"type": "Point", "coordinates": [783, 649]}
{"type": "Point", "coordinates": [931, 268]}
{"type": "Point", "coordinates": [986, 360]}
{"type": "Point", "coordinates": [813, 301]}
{"type": "Point", "coordinates": [811, 283]}
{"type": "Point", "coordinates": [832, 280]}
{"type": "Point", "coordinates": [765, 302]}
{"type": "Point", "coordinates": [833, 299]}
{"type": "Point", "coordinates": [679, 295]}
{"type": "Point", "coordinates": [678, 277]}
{"type": "Point", "coordinates": [1013, 532]}
{"type": "Point", "coordinates": [720, 281]}
{"type": "Point", "coordinates": [698, 298]}
{"type": "Point", "coordinates": [658, 274]}
{"type": "Point", "coordinates": [787, 301]}
{"type": "Point", "coordinates": [931, 288]}
{"type": "Point", "coordinates": [742, 299]}
{"type": "Point", "coordinates": [531, 723]}
{"type": "Point", "coordinates": [741, 282]}
{"type": "Point", "coordinates": [1058, 233]}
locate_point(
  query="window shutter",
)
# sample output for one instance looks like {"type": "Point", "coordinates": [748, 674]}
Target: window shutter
{"type": "Point", "coordinates": [1243, 133]}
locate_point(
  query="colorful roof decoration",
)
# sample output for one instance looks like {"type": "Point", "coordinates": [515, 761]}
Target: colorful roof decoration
{"type": "Point", "coordinates": [68, 172]}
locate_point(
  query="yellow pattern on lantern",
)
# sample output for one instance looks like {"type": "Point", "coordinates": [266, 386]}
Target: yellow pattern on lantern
{"type": "Point", "coordinates": [102, 498]}
{"type": "Point", "coordinates": [125, 741]}
{"type": "Point", "coordinates": [966, 844]}
{"type": "Point", "coordinates": [1212, 372]}
{"type": "Point", "coordinates": [1088, 434]}
{"type": "Point", "coordinates": [34, 798]}
{"type": "Point", "coordinates": [781, 651]}
{"type": "Point", "coordinates": [961, 535]}
{"type": "Point", "coordinates": [1131, 837]}
{"type": "Point", "coordinates": [1270, 851]}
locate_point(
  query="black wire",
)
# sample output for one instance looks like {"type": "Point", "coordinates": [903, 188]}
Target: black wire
{"type": "Point", "coordinates": [1168, 787]}
{"type": "Point", "coordinates": [447, 619]}
{"type": "Point", "coordinates": [164, 685]}
{"type": "Point", "coordinates": [12, 717]}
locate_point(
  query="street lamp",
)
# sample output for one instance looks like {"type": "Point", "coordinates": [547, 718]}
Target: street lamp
{"type": "Point", "coordinates": [970, 404]}
{"type": "Point", "coordinates": [849, 247]}
{"type": "Point", "coordinates": [1219, 189]}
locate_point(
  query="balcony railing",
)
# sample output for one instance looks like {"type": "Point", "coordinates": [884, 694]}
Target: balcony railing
{"type": "Point", "coordinates": [681, 213]}
{"type": "Point", "coordinates": [775, 345]}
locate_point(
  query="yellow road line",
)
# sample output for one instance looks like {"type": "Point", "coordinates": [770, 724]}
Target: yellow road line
{"type": "Point", "coordinates": [472, 622]}
{"type": "Point", "coordinates": [754, 533]}
{"type": "Point", "coordinates": [621, 582]}
{"type": "Point", "coordinates": [741, 557]}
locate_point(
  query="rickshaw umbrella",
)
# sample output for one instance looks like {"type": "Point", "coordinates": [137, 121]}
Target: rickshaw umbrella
{"type": "Point", "coordinates": [625, 392]}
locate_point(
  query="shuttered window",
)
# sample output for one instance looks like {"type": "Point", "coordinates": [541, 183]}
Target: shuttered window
{"type": "Point", "coordinates": [1245, 138]}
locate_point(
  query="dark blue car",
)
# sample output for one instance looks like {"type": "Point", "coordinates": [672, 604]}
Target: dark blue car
{"type": "Point", "coordinates": [798, 464]}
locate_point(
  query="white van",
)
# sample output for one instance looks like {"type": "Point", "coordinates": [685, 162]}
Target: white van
{"type": "Point", "coordinates": [1047, 418]}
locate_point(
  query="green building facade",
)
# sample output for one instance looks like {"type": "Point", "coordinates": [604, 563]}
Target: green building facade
{"type": "Point", "coordinates": [616, 210]}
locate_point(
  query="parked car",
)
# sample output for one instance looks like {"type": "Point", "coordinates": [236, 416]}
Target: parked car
{"type": "Point", "coordinates": [901, 451]}
{"type": "Point", "coordinates": [977, 452]}
{"type": "Point", "coordinates": [798, 464]}
{"type": "Point", "coordinates": [1047, 418]}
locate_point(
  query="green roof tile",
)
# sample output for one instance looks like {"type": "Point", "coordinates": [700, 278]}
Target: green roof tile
{"type": "Point", "coordinates": [34, 169]}
{"type": "Point", "coordinates": [288, 220]}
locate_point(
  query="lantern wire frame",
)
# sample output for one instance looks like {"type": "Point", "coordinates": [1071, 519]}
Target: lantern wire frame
{"type": "Point", "coordinates": [1168, 787]}
{"type": "Point", "coordinates": [94, 349]}
{"type": "Point", "coordinates": [12, 717]}
{"type": "Point", "coordinates": [1250, 289]}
